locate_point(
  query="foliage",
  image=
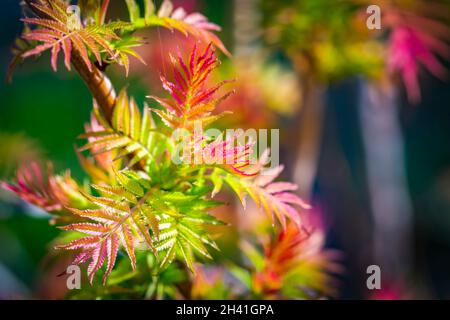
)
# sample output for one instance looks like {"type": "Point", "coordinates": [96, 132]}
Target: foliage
{"type": "Point", "coordinates": [331, 44]}
{"type": "Point", "coordinates": [327, 44]}
{"type": "Point", "coordinates": [191, 102]}
{"type": "Point", "coordinates": [60, 27]}
{"type": "Point", "coordinates": [416, 39]}
{"type": "Point", "coordinates": [40, 187]}
{"type": "Point", "coordinates": [147, 200]}
{"type": "Point", "coordinates": [63, 30]}
{"type": "Point", "coordinates": [274, 265]}
{"type": "Point", "coordinates": [275, 198]}
{"type": "Point", "coordinates": [292, 264]}
{"type": "Point", "coordinates": [194, 24]}
{"type": "Point", "coordinates": [129, 133]}
{"type": "Point", "coordinates": [138, 199]}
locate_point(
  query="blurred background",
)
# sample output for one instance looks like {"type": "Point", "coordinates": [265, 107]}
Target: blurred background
{"type": "Point", "coordinates": [364, 119]}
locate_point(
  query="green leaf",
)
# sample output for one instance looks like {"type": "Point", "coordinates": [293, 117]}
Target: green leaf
{"type": "Point", "coordinates": [132, 136]}
{"type": "Point", "coordinates": [241, 274]}
{"type": "Point", "coordinates": [133, 9]}
{"type": "Point", "coordinates": [217, 181]}
{"type": "Point", "coordinates": [181, 237]}
{"type": "Point", "coordinates": [129, 184]}
{"type": "Point", "coordinates": [149, 9]}
{"type": "Point", "coordinates": [253, 255]}
{"type": "Point", "coordinates": [203, 218]}
{"type": "Point", "coordinates": [177, 198]}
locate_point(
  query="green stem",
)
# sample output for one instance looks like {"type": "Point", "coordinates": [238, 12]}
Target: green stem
{"type": "Point", "coordinates": [151, 289]}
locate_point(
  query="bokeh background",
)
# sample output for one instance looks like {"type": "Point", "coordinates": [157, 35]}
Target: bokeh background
{"type": "Point", "coordinates": [375, 164]}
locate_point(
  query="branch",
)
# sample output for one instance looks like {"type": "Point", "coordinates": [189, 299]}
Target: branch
{"type": "Point", "coordinates": [97, 82]}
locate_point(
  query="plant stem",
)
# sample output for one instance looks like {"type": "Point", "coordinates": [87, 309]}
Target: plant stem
{"type": "Point", "coordinates": [151, 289]}
{"type": "Point", "coordinates": [99, 85]}
{"type": "Point", "coordinates": [97, 82]}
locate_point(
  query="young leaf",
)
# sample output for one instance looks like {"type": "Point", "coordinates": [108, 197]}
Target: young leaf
{"type": "Point", "coordinates": [182, 237]}
{"type": "Point", "coordinates": [293, 263]}
{"type": "Point", "coordinates": [131, 135]}
{"type": "Point", "coordinates": [117, 217]}
{"type": "Point", "coordinates": [133, 9]}
{"type": "Point", "coordinates": [33, 186]}
{"type": "Point", "coordinates": [62, 31]}
{"type": "Point", "coordinates": [194, 24]}
{"type": "Point", "coordinates": [40, 187]}
{"type": "Point", "coordinates": [275, 198]}
{"type": "Point", "coordinates": [231, 154]}
{"type": "Point", "coordinates": [192, 100]}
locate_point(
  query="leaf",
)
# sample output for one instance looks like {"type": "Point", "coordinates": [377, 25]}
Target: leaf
{"type": "Point", "coordinates": [233, 154]}
{"type": "Point", "coordinates": [203, 218]}
{"type": "Point", "coordinates": [40, 187]}
{"type": "Point", "coordinates": [123, 48]}
{"type": "Point", "coordinates": [149, 8]}
{"type": "Point", "coordinates": [115, 191]}
{"type": "Point", "coordinates": [241, 274]}
{"type": "Point", "coordinates": [255, 257]}
{"type": "Point", "coordinates": [33, 186]}
{"type": "Point", "coordinates": [182, 237]}
{"type": "Point", "coordinates": [95, 10]}
{"type": "Point", "coordinates": [274, 198]}
{"type": "Point", "coordinates": [192, 100]}
{"type": "Point", "coordinates": [18, 49]}
{"type": "Point", "coordinates": [293, 263]}
{"type": "Point", "coordinates": [64, 32]}
{"type": "Point", "coordinates": [128, 184]}
{"type": "Point", "coordinates": [131, 135]}
{"type": "Point", "coordinates": [410, 47]}
{"type": "Point", "coordinates": [217, 181]}
{"type": "Point", "coordinates": [194, 24]}
{"type": "Point", "coordinates": [118, 217]}
{"type": "Point", "coordinates": [133, 9]}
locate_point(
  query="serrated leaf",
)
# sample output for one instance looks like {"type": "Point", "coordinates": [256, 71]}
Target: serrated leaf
{"type": "Point", "coordinates": [128, 184]}
{"type": "Point", "coordinates": [133, 9]}
{"type": "Point", "coordinates": [59, 32]}
{"type": "Point", "coordinates": [130, 135]}
{"type": "Point", "coordinates": [182, 236]}
{"type": "Point", "coordinates": [274, 198]}
{"type": "Point", "coordinates": [64, 30]}
{"type": "Point", "coordinates": [192, 100]}
{"type": "Point", "coordinates": [119, 216]}
{"type": "Point", "coordinates": [203, 218]}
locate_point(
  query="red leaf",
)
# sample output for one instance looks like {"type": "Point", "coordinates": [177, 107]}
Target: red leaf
{"type": "Point", "coordinates": [192, 98]}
